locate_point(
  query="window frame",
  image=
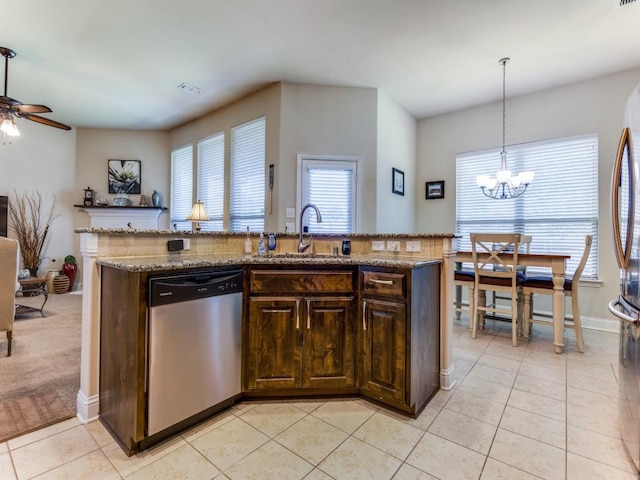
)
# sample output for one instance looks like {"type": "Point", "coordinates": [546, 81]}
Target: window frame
{"type": "Point", "coordinates": [329, 162]}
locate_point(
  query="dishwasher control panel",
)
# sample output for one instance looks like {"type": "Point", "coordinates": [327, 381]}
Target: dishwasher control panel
{"type": "Point", "coordinates": [167, 289]}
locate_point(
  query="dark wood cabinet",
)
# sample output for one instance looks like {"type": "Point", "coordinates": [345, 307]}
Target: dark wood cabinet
{"type": "Point", "coordinates": [399, 357]}
{"type": "Point", "coordinates": [273, 356]}
{"type": "Point", "coordinates": [122, 356]}
{"type": "Point", "coordinates": [383, 353]}
{"type": "Point", "coordinates": [300, 330]}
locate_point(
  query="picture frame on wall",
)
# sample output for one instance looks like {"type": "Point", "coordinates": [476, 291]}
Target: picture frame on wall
{"type": "Point", "coordinates": [434, 190]}
{"type": "Point", "coordinates": [397, 181]}
{"type": "Point", "coordinates": [124, 177]}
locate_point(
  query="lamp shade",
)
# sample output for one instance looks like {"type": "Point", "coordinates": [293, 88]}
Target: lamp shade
{"type": "Point", "coordinates": [198, 213]}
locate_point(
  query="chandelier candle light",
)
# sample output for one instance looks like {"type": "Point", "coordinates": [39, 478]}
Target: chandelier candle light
{"type": "Point", "coordinates": [505, 185]}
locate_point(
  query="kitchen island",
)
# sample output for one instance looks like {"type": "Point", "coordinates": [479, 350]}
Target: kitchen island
{"type": "Point", "coordinates": [377, 331]}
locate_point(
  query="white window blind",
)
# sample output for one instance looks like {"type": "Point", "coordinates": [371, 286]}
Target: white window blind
{"type": "Point", "coordinates": [181, 186]}
{"type": "Point", "coordinates": [558, 209]}
{"type": "Point", "coordinates": [248, 176]}
{"type": "Point", "coordinates": [331, 186]}
{"type": "Point", "coordinates": [211, 180]}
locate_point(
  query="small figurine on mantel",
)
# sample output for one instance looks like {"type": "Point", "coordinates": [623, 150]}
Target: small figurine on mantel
{"type": "Point", "coordinates": [144, 202]}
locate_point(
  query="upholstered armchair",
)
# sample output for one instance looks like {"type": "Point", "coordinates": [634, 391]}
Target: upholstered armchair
{"type": "Point", "coordinates": [8, 286]}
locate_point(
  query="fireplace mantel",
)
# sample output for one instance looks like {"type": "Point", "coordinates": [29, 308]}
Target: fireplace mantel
{"type": "Point", "coordinates": [123, 217]}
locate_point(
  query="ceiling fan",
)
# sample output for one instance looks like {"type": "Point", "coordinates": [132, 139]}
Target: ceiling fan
{"type": "Point", "coordinates": [10, 108]}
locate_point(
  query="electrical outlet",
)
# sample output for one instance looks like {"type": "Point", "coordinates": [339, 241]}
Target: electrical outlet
{"type": "Point", "coordinates": [377, 245]}
{"type": "Point", "coordinates": [186, 244]}
{"type": "Point", "coordinates": [290, 212]}
{"type": "Point", "coordinates": [393, 246]}
{"type": "Point", "coordinates": [413, 245]}
{"type": "Point", "coordinates": [289, 227]}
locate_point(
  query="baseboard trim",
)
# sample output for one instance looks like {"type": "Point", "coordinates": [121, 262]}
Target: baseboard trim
{"type": "Point", "coordinates": [87, 407]}
{"type": "Point", "coordinates": [604, 324]}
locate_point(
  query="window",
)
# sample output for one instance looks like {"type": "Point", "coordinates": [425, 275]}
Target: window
{"type": "Point", "coordinates": [211, 180]}
{"type": "Point", "coordinates": [181, 186]}
{"type": "Point", "coordinates": [331, 185]}
{"type": "Point", "coordinates": [248, 176]}
{"type": "Point", "coordinates": [558, 209]}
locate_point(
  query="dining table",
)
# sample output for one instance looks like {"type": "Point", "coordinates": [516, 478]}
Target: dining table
{"type": "Point", "coordinates": [558, 264]}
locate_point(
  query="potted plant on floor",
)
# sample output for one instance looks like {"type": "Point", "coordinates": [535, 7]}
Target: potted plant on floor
{"type": "Point", "coordinates": [30, 228]}
{"type": "Point", "coordinates": [69, 268]}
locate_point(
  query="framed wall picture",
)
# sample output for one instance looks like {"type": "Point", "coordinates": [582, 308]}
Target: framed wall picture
{"type": "Point", "coordinates": [435, 190]}
{"type": "Point", "coordinates": [397, 181]}
{"type": "Point", "coordinates": [124, 176]}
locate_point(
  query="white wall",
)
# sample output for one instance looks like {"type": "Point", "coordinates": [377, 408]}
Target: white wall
{"type": "Point", "coordinates": [592, 106]}
{"type": "Point", "coordinates": [42, 160]}
{"type": "Point", "coordinates": [328, 121]}
{"type": "Point", "coordinates": [397, 136]}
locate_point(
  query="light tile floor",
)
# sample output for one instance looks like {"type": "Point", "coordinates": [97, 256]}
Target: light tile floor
{"type": "Point", "coordinates": [515, 413]}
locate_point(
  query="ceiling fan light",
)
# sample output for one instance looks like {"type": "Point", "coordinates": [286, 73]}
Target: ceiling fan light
{"type": "Point", "coordinates": [10, 128]}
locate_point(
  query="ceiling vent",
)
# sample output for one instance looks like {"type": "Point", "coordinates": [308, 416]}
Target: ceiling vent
{"type": "Point", "coordinates": [185, 87]}
{"type": "Point", "coordinates": [626, 2]}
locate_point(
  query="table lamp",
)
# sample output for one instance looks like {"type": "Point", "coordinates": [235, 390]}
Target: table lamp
{"type": "Point", "coordinates": [198, 214]}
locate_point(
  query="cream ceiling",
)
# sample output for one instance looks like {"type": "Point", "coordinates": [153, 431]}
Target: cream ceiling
{"type": "Point", "coordinates": [117, 63]}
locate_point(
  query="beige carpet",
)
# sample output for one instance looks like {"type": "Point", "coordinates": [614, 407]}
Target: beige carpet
{"type": "Point", "coordinates": [40, 380]}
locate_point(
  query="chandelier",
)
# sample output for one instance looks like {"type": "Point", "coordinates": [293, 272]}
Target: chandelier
{"type": "Point", "coordinates": [505, 185]}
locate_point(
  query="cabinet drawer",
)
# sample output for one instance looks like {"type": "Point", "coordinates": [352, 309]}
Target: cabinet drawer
{"type": "Point", "coordinates": [384, 283]}
{"type": "Point", "coordinates": [301, 281]}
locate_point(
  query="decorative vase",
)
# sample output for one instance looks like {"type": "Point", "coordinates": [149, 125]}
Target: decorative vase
{"type": "Point", "coordinates": [70, 269]}
{"type": "Point", "coordinates": [61, 284]}
{"type": "Point", "coordinates": [155, 199]}
{"type": "Point", "coordinates": [33, 271]}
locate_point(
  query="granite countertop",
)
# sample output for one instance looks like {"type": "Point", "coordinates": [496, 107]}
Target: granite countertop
{"type": "Point", "coordinates": [132, 231]}
{"type": "Point", "coordinates": [180, 261]}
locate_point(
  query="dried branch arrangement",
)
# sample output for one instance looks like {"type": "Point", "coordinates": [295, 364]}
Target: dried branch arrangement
{"type": "Point", "coordinates": [32, 232]}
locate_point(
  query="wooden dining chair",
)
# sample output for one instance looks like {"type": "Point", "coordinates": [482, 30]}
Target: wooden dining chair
{"type": "Point", "coordinates": [463, 279]}
{"type": "Point", "coordinates": [495, 261]}
{"type": "Point", "coordinates": [543, 284]}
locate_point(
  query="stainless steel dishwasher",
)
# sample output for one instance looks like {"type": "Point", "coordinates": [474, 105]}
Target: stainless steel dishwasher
{"type": "Point", "coordinates": [194, 342]}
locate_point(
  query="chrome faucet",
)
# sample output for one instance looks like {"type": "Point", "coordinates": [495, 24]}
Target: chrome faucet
{"type": "Point", "coordinates": [301, 245]}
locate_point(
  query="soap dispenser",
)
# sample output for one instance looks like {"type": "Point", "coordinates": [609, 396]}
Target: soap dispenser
{"type": "Point", "coordinates": [262, 250]}
{"type": "Point", "coordinates": [247, 244]}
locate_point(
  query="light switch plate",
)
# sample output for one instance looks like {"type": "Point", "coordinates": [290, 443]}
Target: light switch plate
{"type": "Point", "coordinates": [393, 246]}
{"type": "Point", "coordinates": [290, 212]}
{"type": "Point", "coordinates": [377, 245]}
{"type": "Point", "coordinates": [413, 246]}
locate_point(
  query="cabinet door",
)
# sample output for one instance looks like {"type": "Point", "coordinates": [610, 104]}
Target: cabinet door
{"type": "Point", "coordinates": [384, 350]}
{"type": "Point", "coordinates": [275, 341]}
{"type": "Point", "coordinates": [328, 350]}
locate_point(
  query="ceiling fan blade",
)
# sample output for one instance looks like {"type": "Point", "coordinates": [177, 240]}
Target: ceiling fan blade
{"type": "Point", "coordinates": [26, 108]}
{"type": "Point", "coordinates": [44, 121]}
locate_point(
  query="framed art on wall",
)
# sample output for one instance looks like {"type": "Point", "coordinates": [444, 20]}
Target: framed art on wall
{"type": "Point", "coordinates": [397, 181]}
{"type": "Point", "coordinates": [434, 190]}
{"type": "Point", "coordinates": [124, 176]}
